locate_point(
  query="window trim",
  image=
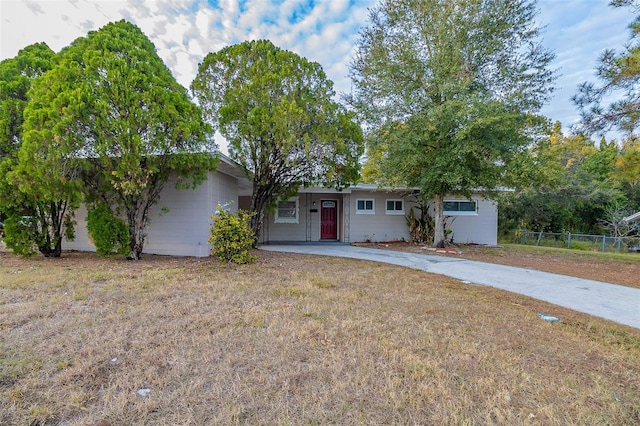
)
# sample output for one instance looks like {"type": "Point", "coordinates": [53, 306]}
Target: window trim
{"type": "Point", "coordinates": [458, 212]}
{"type": "Point", "coordinates": [295, 219]}
{"type": "Point", "coordinates": [394, 211]}
{"type": "Point", "coordinates": [366, 211]}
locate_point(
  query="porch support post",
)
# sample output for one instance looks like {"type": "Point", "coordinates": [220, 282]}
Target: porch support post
{"type": "Point", "coordinates": [346, 216]}
{"type": "Point", "coordinates": [308, 216]}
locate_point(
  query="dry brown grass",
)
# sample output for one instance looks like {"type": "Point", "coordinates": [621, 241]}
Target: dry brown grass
{"type": "Point", "coordinates": [296, 339]}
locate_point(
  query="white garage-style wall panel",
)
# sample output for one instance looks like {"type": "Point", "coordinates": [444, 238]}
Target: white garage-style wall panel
{"type": "Point", "coordinates": [183, 228]}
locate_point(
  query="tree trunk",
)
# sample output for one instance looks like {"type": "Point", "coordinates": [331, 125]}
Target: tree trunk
{"type": "Point", "coordinates": [52, 246]}
{"type": "Point", "coordinates": [136, 247]}
{"type": "Point", "coordinates": [48, 251]}
{"type": "Point", "coordinates": [137, 242]}
{"type": "Point", "coordinates": [438, 218]}
{"type": "Point", "coordinates": [136, 233]}
{"type": "Point", "coordinates": [258, 202]}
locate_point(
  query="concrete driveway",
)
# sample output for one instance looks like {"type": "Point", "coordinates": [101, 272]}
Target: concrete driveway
{"type": "Point", "coordinates": [613, 302]}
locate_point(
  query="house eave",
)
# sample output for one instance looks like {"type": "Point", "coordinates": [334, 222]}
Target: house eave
{"type": "Point", "coordinates": [374, 187]}
{"type": "Point", "coordinates": [233, 169]}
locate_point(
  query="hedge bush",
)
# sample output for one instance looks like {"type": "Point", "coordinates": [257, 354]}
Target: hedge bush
{"type": "Point", "coordinates": [232, 236]}
{"type": "Point", "coordinates": [21, 237]}
{"type": "Point", "coordinates": [109, 233]}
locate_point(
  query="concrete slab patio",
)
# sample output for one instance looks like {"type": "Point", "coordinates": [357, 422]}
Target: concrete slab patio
{"type": "Point", "coordinates": [613, 302]}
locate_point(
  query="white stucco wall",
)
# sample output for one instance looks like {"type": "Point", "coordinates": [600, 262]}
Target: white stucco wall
{"type": "Point", "coordinates": [81, 241]}
{"type": "Point", "coordinates": [480, 228]}
{"type": "Point", "coordinates": [379, 226]}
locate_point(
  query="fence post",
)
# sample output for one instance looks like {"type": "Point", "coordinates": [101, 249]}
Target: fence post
{"type": "Point", "coordinates": [604, 243]}
{"type": "Point", "coordinates": [539, 238]}
{"type": "Point", "coordinates": [618, 245]}
{"type": "Point", "coordinates": [568, 240]}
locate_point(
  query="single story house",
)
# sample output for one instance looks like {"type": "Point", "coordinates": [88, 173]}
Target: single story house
{"type": "Point", "coordinates": [368, 213]}
{"type": "Point", "coordinates": [360, 213]}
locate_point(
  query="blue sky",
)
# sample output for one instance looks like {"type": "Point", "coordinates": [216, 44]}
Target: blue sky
{"type": "Point", "coordinates": [325, 31]}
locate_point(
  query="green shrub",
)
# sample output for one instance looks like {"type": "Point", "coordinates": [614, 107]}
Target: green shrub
{"type": "Point", "coordinates": [232, 236]}
{"type": "Point", "coordinates": [109, 233]}
{"type": "Point", "coordinates": [583, 245]}
{"type": "Point", "coordinates": [21, 236]}
{"type": "Point", "coordinates": [26, 235]}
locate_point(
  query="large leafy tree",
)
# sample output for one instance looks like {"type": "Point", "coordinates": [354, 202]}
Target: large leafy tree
{"type": "Point", "coordinates": [448, 90]}
{"type": "Point", "coordinates": [619, 73]}
{"type": "Point", "coordinates": [570, 189]}
{"type": "Point", "coordinates": [111, 101]}
{"type": "Point", "coordinates": [627, 172]}
{"type": "Point", "coordinates": [37, 217]}
{"type": "Point", "coordinates": [16, 75]}
{"type": "Point", "coordinates": [276, 111]}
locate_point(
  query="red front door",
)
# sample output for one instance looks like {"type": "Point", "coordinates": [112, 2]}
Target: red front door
{"type": "Point", "coordinates": [329, 220]}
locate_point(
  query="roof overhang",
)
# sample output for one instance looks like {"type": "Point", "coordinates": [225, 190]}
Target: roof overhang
{"type": "Point", "coordinates": [633, 217]}
{"type": "Point", "coordinates": [374, 187]}
{"type": "Point", "coordinates": [348, 190]}
{"type": "Point", "coordinates": [231, 168]}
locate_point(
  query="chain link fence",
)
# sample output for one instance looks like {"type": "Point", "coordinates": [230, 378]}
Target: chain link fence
{"type": "Point", "coordinates": [604, 243]}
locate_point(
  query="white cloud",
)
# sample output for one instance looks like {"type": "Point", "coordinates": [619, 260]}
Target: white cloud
{"type": "Point", "coordinates": [140, 9]}
{"type": "Point", "coordinates": [338, 6]}
{"type": "Point", "coordinates": [87, 26]}
{"type": "Point", "coordinates": [34, 7]}
{"type": "Point", "coordinates": [204, 21]}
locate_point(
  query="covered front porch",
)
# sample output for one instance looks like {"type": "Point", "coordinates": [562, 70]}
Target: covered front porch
{"type": "Point", "coordinates": [315, 215]}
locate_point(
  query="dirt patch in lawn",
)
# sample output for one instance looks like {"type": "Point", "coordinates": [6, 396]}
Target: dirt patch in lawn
{"type": "Point", "coordinates": [623, 269]}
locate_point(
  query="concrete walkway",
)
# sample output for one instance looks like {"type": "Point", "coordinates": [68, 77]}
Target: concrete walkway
{"type": "Point", "coordinates": [613, 302]}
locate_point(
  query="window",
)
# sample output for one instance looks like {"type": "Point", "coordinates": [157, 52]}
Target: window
{"type": "Point", "coordinates": [365, 206]}
{"type": "Point", "coordinates": [460, 208]}
{"type": "Point", "coordinates": [395, 207]}
{"type": "Point", "coordinates": [329, 204]}
{"type": "Point", "coordinates": [287, 211]}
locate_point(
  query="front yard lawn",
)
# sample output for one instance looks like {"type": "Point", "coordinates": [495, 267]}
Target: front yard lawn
{"type": "Point", "coordinates": [296, 339]}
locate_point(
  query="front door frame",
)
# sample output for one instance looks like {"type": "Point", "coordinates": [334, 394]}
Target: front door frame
{"type": "Point", "coordinates": [337, 201]}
